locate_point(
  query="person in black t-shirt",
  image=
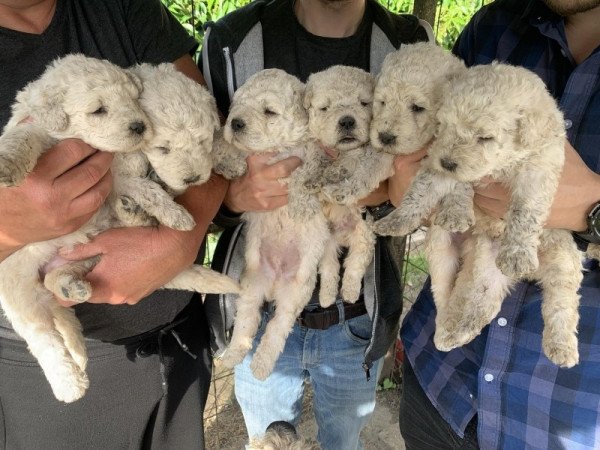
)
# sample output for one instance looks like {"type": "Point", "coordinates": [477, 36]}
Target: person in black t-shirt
{"type": "Point", "coordinates": [145, 388]}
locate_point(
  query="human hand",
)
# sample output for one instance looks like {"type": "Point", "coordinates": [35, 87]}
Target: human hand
{"type": "Point", "coordinates": [259, 189]}
{"type": "Point", "coordinates": [68, 184]}
{"type": "Point", "coordinates": [405, 169]}
{"type": "Point", "coordinates": [578, 190]}
{"type": "Point", "coordinates": [134, 262]}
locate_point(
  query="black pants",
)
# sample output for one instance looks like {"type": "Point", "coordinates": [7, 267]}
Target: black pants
{"type": "Point", "coordinates": [144, 393]}
{"type": "Point", "coordinates": [421, 426]}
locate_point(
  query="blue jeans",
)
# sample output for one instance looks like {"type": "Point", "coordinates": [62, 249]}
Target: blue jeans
{"type": "Point", "coordinates": [332, 361]}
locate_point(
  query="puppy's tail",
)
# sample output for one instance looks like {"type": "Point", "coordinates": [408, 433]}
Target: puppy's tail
{"type": "Point", "coordinates": [200, 279]}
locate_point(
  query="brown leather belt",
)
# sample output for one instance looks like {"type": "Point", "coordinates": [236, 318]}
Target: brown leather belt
{"type": "Point", "coordinates": [323, 318]}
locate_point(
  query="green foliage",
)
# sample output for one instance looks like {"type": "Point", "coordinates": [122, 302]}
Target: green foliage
{"type": "Point", "coordinates": [386, 384]}
{"type": "Point", "coordinates": [194, 13]}
{"type": "Point", "coordinates": [451, 18]}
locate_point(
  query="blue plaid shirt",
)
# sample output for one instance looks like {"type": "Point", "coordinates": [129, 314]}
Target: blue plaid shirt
{"type": "Point", "coordinates": [521, 399]}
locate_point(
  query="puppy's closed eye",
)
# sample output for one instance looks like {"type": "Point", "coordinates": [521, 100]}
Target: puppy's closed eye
{"type": "Point", "coordinates": [482, 139]}
{"type": "Point", "coordinates": [270, 112]}
{"type": "Point", "coordinates": [416, 108]}
{"type": "Point", "coordinates": [98, 112]}
{"type": "Point", "coordinates": [164, 150]}
{"type": "Point", "coordinates": [363, 103]}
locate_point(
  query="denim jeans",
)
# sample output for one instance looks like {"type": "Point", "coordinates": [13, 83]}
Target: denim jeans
{"type": "Point", "coordinates": [332, 361]}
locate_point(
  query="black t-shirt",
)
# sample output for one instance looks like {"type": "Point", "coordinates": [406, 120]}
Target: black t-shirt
{"type": "Point", "coordinates": [289, 46]}
{"type": "Point", "coordinates": [125, 32]}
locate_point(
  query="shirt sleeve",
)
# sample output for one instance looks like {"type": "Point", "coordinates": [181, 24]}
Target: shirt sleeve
{"type": "Point", "coordinates": [157, 36]}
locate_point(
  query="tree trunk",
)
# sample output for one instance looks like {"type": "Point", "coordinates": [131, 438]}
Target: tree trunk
{"type": "Point", "coordinates": [425, 9]}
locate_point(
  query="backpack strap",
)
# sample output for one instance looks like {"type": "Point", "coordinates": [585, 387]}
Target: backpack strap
{"type": "Point", "coordinates": [249, 57]}
{"type": "Point", "coordinates": [425, 25]}
{"type": "Point", "coordinates": [380, 47]}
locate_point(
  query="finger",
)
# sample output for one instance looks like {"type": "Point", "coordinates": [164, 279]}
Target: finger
{"type": "Point", "coordinates": [275, 202]}
{"type": "Point", "coordinates": [84, 176]}
{"type": "Point", "coordinates": [92, 199]}
{"type": "Point", "coordinates": [62, 157]}
{"type": "Point", "coordinates": [283, 168]}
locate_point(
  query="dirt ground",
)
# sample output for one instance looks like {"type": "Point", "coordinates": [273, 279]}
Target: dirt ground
{"type": "Point", "coordinates": [224, 424]}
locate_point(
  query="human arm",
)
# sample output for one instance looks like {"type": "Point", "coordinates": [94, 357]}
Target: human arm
{"type": "Point", "coordinates": [68, 184]}
{"type": "Point", "coordinates": [578, 190]}
{"type": "Point", "coordinates": [405, 169]}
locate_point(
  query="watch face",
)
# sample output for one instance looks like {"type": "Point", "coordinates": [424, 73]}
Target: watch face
{"type": "Point", "coordinates": [594, 221]}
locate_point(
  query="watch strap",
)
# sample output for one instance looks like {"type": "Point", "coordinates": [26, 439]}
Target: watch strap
{"type": "Point", "coordinates": [592, 234]}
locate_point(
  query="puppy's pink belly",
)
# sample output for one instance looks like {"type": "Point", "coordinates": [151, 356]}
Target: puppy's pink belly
{"type": "Point", "coordinates": [279, 261]}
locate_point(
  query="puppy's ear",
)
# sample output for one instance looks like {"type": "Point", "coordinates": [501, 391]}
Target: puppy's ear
{"type": "Point", "coordinates": [537, 126]}
{"type": "Point", "coordinates": [135, 80]}
{"type": "Point", "coordinates": [44, 102]}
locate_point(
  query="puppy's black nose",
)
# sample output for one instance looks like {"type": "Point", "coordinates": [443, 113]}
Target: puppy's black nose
{"type": "Point", "coordinates": [237, 124]}
{"type": "Point", "coordinates": [448, 164]}
{"type": "Point", "coordinates": [347, 123]}
{"type": "Point", "coordinates": [137, 127]}
{"type": "Point", "coordinates": [192, 180]}
{"type": "Point", "coordinates": [387, 138]}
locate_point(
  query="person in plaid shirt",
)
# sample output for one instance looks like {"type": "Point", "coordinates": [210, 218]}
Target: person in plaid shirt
{"type": "Point", "coordinates": [500, 391]}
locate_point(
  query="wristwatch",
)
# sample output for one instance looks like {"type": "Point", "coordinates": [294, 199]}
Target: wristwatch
{"type": "Point", "coordinates": [592, 234]}
{"type": "Point", "coordinates": [382, 210]}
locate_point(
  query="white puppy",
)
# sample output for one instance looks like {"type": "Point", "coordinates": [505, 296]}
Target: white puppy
{"type": "Point", "coordinates": [338, 101]}
{"type": "Point", "coordinates": [499, 121]}
{"type": "Point", "coordinates": [283, 246]}
{"type": "Point", "coordinates": [52, 332]}
{"type": "Point", "coordinates": [407, 96]}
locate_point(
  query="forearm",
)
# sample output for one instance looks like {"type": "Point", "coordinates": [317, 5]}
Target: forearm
{"type": "Point", "coordinates": [203, 203]}
{"type": "Point", "coordinates": [377, 197]}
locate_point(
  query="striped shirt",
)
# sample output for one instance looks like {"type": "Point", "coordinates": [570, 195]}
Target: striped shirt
{"type": "Point", "coordinates": [522, 400]}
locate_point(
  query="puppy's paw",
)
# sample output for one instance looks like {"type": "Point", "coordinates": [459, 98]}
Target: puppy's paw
{"type": "Point", "coordinates": [392, 225]}
{"type": "Point", "coordinates": [262, 366]}
{"type": "Point", "coordinates": [68, 382]}
{"type": "Point", "coordinates": [561, 350]}
{"type": "Point", "coordinates": [73, 289]}
{"type": "Point", "coordinates": [176, 217]}
{"type": "Point", "coordinates": [181, 220]}
{"type": "Point", "coordinates": [350, 289]}
{"type": "Point", "coordinates": [233, 356]}
{"type": "Point", "coordinates": [517, 262]}
{"type": "Point", "coordinates": [131, 214]}
{"type": "Point", "coordinates": [327, 295]}
{"type": "Point", "coordinates": [11, 174]}
{"type": "Point", "coordinates": [449, 338]}
{"type": "Point", "coordinates": [455, 221]}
